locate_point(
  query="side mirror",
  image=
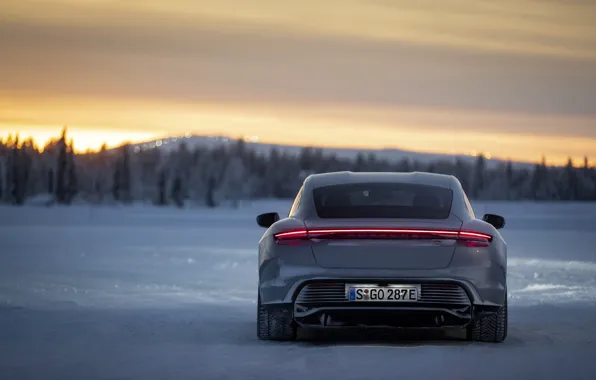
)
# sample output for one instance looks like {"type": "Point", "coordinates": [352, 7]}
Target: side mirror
{"type": "Point", "coordinates": [496, 221]}
{"type": "Point", "coordinates": [266, 220]}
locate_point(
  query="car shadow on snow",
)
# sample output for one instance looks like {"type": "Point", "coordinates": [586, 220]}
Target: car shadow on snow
{"type": "Point", "coordinates": [376, 337]}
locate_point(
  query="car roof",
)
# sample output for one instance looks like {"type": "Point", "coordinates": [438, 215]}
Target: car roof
{"type": "Point", "coordinates": [337, 178]}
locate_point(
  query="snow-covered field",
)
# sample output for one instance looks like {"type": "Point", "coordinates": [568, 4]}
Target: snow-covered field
{"type": "Point", "coordinates": [148, 293]}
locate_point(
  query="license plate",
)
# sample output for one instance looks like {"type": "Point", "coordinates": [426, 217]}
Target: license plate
{"type": "Point", "coordinates": [391, 293]}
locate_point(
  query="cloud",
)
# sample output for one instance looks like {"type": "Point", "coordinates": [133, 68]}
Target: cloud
{"type": "Point", "coordinates": [211, 65]}
{"type": "Point", "coordinates": [524, 26]}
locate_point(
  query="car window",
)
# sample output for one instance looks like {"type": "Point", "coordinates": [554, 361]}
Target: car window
{"type": "Point", "coordinates": [383, 200]}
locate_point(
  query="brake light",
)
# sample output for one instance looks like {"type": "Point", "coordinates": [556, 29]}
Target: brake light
{"type": "Point", "coordinates": [467, 238]}
{"type": "Point", "coordinates": [474, 239]}
{"type": "Point", "coordinates": [293, 237]}
{"type": "Point", "coordinates": [288, 235]}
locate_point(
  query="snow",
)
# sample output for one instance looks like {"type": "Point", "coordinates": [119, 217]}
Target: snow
{"type": "Point", "coordinates": [161, 293]}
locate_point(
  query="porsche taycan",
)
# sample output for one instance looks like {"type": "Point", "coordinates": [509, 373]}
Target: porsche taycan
{"type": "Point", "coordinates": [382, 250]}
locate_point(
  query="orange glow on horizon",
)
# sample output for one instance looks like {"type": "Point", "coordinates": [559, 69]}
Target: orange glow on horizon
{"type": "Point", "coordinates": [92, 140]}
{"type": "Point", "coordinates": [94, 121]}
{"type": "Point", "coordinates": [83, 140]}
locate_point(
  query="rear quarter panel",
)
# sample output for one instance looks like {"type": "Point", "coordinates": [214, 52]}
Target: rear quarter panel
{"type": "Point", "coordinates": [485, 267]}
{"type": "Point", "coordinates": [273, 257]}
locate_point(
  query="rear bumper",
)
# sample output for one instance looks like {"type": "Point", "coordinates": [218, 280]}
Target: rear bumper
{"type": "Point", "coordinates": [484, 285]}
{"type": "Point", "coordinates": [348, 315]}
{"type": "Point", "coordinates": [440, 304]}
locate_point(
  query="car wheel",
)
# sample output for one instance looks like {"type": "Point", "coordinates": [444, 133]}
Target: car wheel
{"type": "Point", "coordinates": [274, 324]}
{"type": "Point", "coordinates": [490, 329]}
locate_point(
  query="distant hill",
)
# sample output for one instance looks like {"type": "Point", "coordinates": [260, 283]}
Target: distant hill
{"type": "Point", "coordinates": [172, 143]}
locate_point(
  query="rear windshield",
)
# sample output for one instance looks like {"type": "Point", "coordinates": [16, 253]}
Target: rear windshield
{"type": "Point", "coordinates": [383, 200]}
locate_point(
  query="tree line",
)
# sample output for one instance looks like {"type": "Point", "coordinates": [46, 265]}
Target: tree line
{"type": "Point", "coordinates": [228, 173]}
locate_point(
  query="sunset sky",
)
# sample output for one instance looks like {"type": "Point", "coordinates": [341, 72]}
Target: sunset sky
{"type": "Point", "coordinates": [513, 78]}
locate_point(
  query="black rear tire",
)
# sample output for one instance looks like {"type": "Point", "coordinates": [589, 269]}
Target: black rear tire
{"type": "Point", "coordinates": [275, 324]}
{"type": "Point", "coordinates": [491, 329]}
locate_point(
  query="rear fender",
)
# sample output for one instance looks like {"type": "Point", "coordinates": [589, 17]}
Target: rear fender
{"type": "Point", "coordinates": [286, 224]}
{"type": "Point", "coordinates": [494, 254]}
{"type": "Point", "coordinates": [275, 260]}
{"type": "Point", "coordinates": [485, 267]}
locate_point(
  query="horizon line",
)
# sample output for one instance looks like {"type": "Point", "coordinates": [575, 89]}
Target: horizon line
{"type": "Point", "coordinates": [247, 140]}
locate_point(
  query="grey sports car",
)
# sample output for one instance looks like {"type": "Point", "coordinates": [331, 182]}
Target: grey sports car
{"type": "Point", "coordinates": [382, 250]}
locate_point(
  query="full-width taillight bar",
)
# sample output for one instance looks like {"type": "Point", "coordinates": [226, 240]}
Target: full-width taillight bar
{"type": "Point", "coordinates": [469, 238]}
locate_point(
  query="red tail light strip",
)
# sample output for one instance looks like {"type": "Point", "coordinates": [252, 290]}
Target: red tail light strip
{"type": "Point", "coordinates": [470, 234]}
{"type": "Point", "coordinates": [390, 231]}
{"type": "Point", "coordinates": [299, 234]}
{"type": "Point", "coordinates": [474, 238]}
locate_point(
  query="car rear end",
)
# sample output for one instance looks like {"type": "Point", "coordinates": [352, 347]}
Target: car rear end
{"type": "Point", "coordinates": [382, 254]}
